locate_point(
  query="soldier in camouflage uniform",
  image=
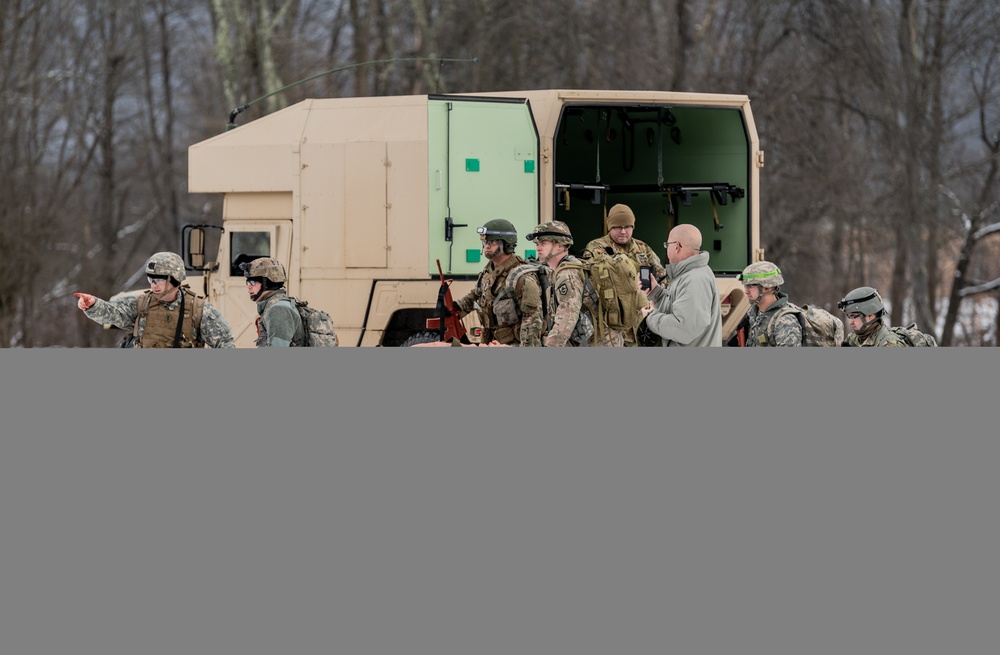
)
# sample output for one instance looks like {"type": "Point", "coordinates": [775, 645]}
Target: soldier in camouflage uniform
{"type": "Point", "coordinates": [567, 325]}
{"type": "Point", "coordinates": [867, 317]}
{"type": "Point", "coordinates": [279, 324]}
{"type": "Point", "coordinates": [157, 327]}
{"type": "Point", "coordinates": [762, 281]}
{"type": "Point", "coordinates": [516, 321]}
{"type": "Point", "coordinates": [619, 240]}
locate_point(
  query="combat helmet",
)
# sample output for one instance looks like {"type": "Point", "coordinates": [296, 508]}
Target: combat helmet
{"type": "Point", "coordinates": [166, 264]}
{"type": "Point", "coordinates": [265, 268]}
{"type": "Point", "coordinates": [499, 229]}
{"type": "Point", "coordinates": [764, 273]}
{"type": "Point", "coordinates": [554, 231]}
{"type": "Point", "coordinates": [863, 300]}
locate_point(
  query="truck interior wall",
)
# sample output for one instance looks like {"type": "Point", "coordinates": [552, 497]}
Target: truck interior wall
{"type": "Point", "coordinates": [637, 151]}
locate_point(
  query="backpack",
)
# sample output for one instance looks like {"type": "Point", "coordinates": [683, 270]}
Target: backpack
{"type": "Point", "coordinates": [914, 337]}
{"type": "Point", "coordinates": [508, 312]}
{"type": "Point", "coordinates": [819, 327]}
{"type": "Point", "coordinates": [507, 293]}
{"type": "Point", "coordinates": [142, 308]}
{"type": "Point", "coordinates": [616, 301]}
{"type": "Point", "coordinates": [317, 326]}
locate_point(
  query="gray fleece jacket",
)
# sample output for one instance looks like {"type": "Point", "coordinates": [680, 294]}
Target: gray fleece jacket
{"type": "Point", "coordinates": [688, 312]}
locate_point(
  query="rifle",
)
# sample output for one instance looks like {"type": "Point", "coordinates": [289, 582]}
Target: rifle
{"type": "Point", "coordinates": [739, 338]}
{"type": "Point", "coordinates": [447, 323]}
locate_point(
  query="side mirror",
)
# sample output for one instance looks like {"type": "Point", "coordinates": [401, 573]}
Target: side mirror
{"type": "Point", "coordinates": [193, 241]}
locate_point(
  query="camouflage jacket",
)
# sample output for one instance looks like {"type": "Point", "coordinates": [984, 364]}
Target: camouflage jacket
{"type": "Point", "coordinates": [786, 330]}
{"type": "Point", "coordinates": [638, 250]}
{"type": "Point", "coordinates": [524, 331]}
{"type": "Point", "coordinates": [279, 324]}
{"type": "Point", "coordinates": [881, 338]}
{"type": "Point", "coordinates": [123, 311]}
{"type": "Point", "coordinates": [565, 300]}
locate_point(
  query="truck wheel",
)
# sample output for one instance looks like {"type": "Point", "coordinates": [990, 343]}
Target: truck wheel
{"type": "Point", "coordinates": [421, 337]}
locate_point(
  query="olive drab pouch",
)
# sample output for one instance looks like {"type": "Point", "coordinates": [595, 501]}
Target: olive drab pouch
{"type": "Point", "coordinates": [612, 296]}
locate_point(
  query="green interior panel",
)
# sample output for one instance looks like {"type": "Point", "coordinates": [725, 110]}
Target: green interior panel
{"type": "Point", "coordinates": [667, 164]}
{"type": "Point", "coordinates": [479, 152]}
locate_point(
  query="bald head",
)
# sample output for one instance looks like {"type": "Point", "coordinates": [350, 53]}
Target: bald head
{"type": "Point", "coordinates": [685, 241]}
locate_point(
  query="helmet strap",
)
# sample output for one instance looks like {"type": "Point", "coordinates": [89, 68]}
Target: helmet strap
{"type": "Point", "coordinates": [868, 327]}
{"type": "Point", "coordinates": [169, 289]}
{"type": "Point", "coordinates": [554, 253]}
{"type": "Point", "coordinates": [766, 291]}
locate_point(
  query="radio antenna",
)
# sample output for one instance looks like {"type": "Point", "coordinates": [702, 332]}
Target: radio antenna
{"type": "Point", "coordinates": [242, 108]}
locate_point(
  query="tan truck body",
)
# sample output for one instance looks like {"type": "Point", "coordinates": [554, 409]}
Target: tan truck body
{"type": "Point", "coordinates": [361, 197]}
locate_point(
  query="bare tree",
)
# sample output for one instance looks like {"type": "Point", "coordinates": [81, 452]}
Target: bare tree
{"type": "Point", "coordinates": [867, 112]}
{"type": "Point", "coordinates": [43, 165]}
{"type": "Point", "coordinates": [987, 90]}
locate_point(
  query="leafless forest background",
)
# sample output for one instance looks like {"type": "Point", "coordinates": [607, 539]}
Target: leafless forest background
{"type": "Point", "coordinates": [880, 122]}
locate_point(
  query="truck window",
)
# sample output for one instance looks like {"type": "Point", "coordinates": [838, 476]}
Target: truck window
{"type": "Point", "coordinates": [244, 246]}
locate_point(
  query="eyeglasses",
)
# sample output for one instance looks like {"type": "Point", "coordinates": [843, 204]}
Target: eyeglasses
{"type": "Point", "coordinates": [853, 316]}
{"type": "Point", "coordinates": [666, 244]}
{"type": "Point", "coordinates": [156, 279]}
{"type": "Point", "coordinates": [623, 227]}
{"type": "Point", "coordinates": [252, 281]}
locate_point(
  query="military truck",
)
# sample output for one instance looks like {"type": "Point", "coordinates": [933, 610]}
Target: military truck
{"type": "Point", "coordinates": [362, 198]}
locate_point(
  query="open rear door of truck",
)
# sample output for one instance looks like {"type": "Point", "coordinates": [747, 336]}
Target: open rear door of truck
{"type": "Point", "coordinates": [482, 165]}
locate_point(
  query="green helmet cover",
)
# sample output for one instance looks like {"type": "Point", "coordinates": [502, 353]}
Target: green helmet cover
{"type": "Point", "coordinates": [499, 229]}
{"type": "Point", "coordinates": [863, 300]}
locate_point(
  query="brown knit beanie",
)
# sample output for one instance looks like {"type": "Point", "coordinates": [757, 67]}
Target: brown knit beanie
{"type": "Point", "coordinates": [619, 216]}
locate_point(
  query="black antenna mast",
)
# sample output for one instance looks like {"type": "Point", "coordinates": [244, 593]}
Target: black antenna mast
{"type": "Point", "coordinates": [242, 108]}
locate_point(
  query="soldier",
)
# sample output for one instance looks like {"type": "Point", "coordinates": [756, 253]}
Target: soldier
{"type": "Point", "coordinates": [866, 316]}
{"type": "Point", "coordinates": [566, 325]}
{"type": "Point", "coordinates": [516, 321]}
{"type": "Point", "coordinates": [619, 239]}
{"type": "Point", "coordinates": [279, 324]}
{"type": "Point", "coordinates": [688, 312]}
{"type": "Point", "coordinates": [164, 316]}
{"type": "Point", "coordinates": [762, 282]}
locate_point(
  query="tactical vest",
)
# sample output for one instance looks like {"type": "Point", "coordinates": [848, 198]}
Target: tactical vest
{"type": "Point", "coordinates": [160, 327]}
{"type": "Point", "coordinates": [498, 325]}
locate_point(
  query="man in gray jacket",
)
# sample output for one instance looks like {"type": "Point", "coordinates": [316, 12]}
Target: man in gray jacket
{"type": "Point", "coordinates": [688, 311]}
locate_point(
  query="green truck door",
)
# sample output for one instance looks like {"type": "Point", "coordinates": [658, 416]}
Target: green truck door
{"type": "Point", "coordinates": [482, 165]}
